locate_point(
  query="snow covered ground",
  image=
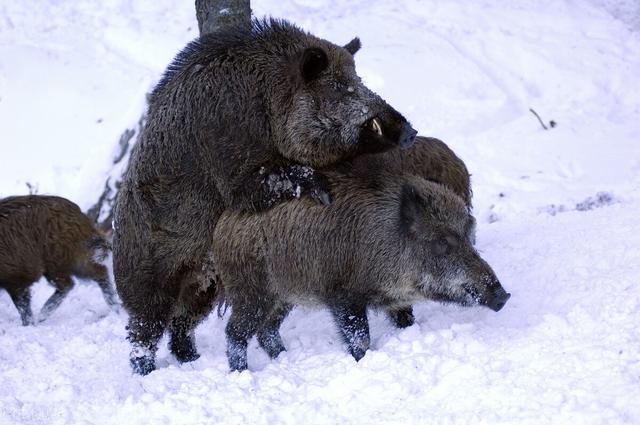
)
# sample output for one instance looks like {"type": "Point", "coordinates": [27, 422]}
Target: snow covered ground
{"type": "Point", "coordinates": [557, 213]}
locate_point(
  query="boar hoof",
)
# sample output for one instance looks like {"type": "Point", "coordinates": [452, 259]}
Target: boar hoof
{"type": "Point", "coordinates": [320, 189]}
{"type": "Point", "coordinates": [183, 349]}
{"type": "Point", "coordinates": [186, 356]}
{"type": "Point", "coordinates": [271, 343]}
{"type": "Point", "coordinates": [28, 322]}
{"type": "Point", "coordinates": [357, 353]}
{"type": "Point", "coordinates": [402, 318]}
{"type": "Point", "coordinates": [236, 365]}
{"type": "Point", "coordinates": [143, 365]}
{"type": "Point", "coordinates": [323, 197]}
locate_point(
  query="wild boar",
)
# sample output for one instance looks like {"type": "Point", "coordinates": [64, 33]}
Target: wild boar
{"type": "Point", "coordinates": [387, 241]}
{"type": "Point", "coordinates": [49, 236]}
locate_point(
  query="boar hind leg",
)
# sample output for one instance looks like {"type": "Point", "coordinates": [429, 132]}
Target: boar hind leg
{"type": "Point", "coordinates": [351, 318]}
{"type": "Point", "coordinates": [98, 273]}
{"type": "Point", "coordinates": [22, 300]}
{"type": "Point", "coordinates": [197, 298]}
{"type": "Point", "coordinates": [246, 318]}
{"type": "Point", "coordinates": [101, 276]}
{"type": "Point", "coordinates": [181, 339]}
{"type": "Point", "coordinates": [145, 330]}
{"type": "Point", "coordinates": [63, 285]}
{"type": "Point", "coordinates": [401, 317]}
{"type": "Point", "coordinates": [269, 334]}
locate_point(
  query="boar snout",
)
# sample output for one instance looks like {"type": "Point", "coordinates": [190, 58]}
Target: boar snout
{"type": "Point", "coordinates": [407, 136]}
{"type": "Point", "coordinates": [497, 298]}
{"type": "Point", "coordinates": [386, 130]}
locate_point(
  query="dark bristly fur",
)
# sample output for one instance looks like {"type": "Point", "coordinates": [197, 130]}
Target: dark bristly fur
{"type": "Point", "coordinates": [236, 123]}
{"type": "Point", "coordinates": [48, 236]}
{"type": "Point", "coordinates": [388, 240]}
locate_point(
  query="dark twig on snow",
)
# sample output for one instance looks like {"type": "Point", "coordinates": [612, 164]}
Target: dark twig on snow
{"type": "Point", "coordinates": [33, 189]}
{"type": "Point", "coordinates": [552, 123]}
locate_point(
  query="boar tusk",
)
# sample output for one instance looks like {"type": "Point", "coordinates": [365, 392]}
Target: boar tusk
{"type": "Point", "coordinates": [375, 125]}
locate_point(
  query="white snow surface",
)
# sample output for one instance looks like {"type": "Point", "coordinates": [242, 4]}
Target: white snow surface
{"type": "Point", "coordinates": [557, 217]}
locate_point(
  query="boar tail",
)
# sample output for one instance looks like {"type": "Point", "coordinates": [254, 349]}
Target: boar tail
{"type": "Point", "coordinates": [100, 247]}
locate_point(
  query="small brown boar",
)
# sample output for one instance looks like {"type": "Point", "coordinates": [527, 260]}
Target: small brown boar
{"type": "Point", "coordinates": [387, 241]}
{"type": "Point", "coordinates": [48, 236]}
{"type": "Point", "coordinates": [433, 160]}
{"type": "Point", "coordinates": [242, 120]}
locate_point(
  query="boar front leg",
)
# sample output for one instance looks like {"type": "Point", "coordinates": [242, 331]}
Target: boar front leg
{"type": "Point", "coordinates": [268, 186]}
{"type": "Point", "coordinates": [101, 276]}
{"type": "Point", "coordinates": [22, 300]}
{"type": "Point", "coordinates": [63, 285]}
{"type": "Point", "coordinates": [351, 318]}
{"type": "Point", "coordinates": [401, 317]}
{"type": "Point", "coordinates": [246, 318]}
{"type": "Point", "coordinates": [269, 335]}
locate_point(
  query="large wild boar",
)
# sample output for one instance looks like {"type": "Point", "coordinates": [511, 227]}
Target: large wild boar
{"type": "Point", "coordinates": [241, 120]}
{"type": "Point", "coordinates": [48, 236]}
{"type": "Point", "coordinates": [387, 241]}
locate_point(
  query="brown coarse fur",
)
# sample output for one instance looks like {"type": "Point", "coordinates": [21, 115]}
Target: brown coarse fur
{"type": "Point", "coordinates": [433, 160]}
{"type": "Point", "coordinates": [429, 158]}
{"type": "Point", "coordinates": [388, 240]}
{"type": "Point", "coordinates": [241, 121]}
{"type": "Point", "coordinates": [48, 236]}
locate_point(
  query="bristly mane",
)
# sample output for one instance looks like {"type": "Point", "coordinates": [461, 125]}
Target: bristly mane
{"type": "Point", "coordinates": [217, 43]}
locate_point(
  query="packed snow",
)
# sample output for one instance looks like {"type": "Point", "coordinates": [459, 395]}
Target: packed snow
{"type": "Point", "coordinates": [557, 217]}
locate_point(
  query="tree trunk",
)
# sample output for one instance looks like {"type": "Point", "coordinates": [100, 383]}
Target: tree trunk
{"type": "Point", "coordinates": [213, 14]}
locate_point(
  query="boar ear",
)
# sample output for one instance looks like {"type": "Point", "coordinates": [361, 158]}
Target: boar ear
{"type": "Point", "coordinates": [353, 46]}
{"type": "Point", "coordinates": [411, 208]}
{"type": "Point", "coordinates": [314, 61]}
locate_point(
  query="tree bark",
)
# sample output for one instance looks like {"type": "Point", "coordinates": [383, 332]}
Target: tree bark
{"type": "Point", "coordinates": [213, 14]}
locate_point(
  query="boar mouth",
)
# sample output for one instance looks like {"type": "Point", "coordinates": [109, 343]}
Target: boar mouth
{"type": "Point", "coordinates": [374, 125]}
{"type": "Point", "coordinates": [495, 299]}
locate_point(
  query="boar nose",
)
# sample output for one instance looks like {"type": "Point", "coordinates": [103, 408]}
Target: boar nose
{"type": "Point", "coordinates": [407, 136]}
{"type": "Point", "coordinates": [498, 298]}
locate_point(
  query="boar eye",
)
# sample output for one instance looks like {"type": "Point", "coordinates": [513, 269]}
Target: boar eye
{"type": "Point", "coordinates": [452, 241]}
{"type": "Point", "coordinates": [444, 245]}
{"type": "Point", "coordinates": [440, 248]}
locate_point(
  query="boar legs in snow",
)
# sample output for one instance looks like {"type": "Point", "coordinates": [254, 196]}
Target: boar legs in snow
{"type": "Point", "coordinates": [181, 341]}
{"type": "Point", "coordinates": [194, 304]}
{"type": "Point", "coordinates": [98, 273]}
{"type": "Point", "coordinates": [63, 285]}
{"type": "Point", "coordinates": [145, 329]}
{"type": "Point", "coordinates": [269, 335]}
{"type": "Point", "coordinates": [101, 276]}
{"type": "Point", "coordinates": [351, 318]}
{"type": "Point", "coordinates": [246, 319]}
{"type": "Point", "coordinates": [401, 317]}
{"type": "Point", "coordinates": [22, 300]}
